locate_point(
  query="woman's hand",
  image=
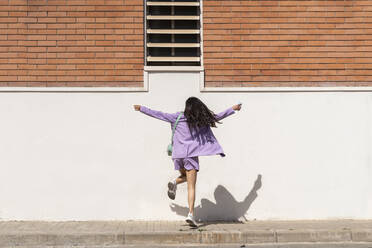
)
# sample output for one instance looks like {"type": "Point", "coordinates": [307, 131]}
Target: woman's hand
{"type": "Point", "coordinates": [237, 107]}
{"type": "Point", "coordinates": [137, 107]}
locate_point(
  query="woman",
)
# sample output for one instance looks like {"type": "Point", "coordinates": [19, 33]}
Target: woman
{"type": "Point", "coordinates": [193, 138]}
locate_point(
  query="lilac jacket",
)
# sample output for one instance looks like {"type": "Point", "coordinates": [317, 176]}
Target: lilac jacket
{"type": "Point", "coordinates": [185, 144]}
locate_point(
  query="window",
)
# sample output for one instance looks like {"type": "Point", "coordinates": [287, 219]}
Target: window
{"type": "Point", "coordinates": [172, 33]}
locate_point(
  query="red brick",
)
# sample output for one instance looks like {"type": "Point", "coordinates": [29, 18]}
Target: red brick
{"type": "Point", "coordinates": [86, 20]}
{"type": "Point", "coordinates": [75, 49]}
{"type": "Point", "coordinates": [105, 66]}
{"type": "Point", "coordinates": [23, 19]}
{"type": "Point", "coordinates": [36, 26]}
{"type": "Point", "coordinates": [105, 43]}
{"type": "Point", "coordinates": [47, 43]}
{"type": "Point", "coordinates": [7, 67]}
{"type": "Point", "coordinates": [47, 67]}
{"type": "Point", "coordinates": [37, 14]}
{"type": "Point", "coordinates": [95, 2]}
{"type": "Point", "coordinates": [87, 31]}
{"type": "Point", "coordinates": [15, 37]}
{"type": "Point", "coordinates": [264, 37]}
{"type": "Point", "coordinates": [66, 78]}
{"type": "Point", "coordinates": [17, 13]}
{"type": "Point", "coordinates": [76, 2]}
{"type": "Point", "coordinates": [58, 43]}
{"type": "Point", "coordinates": [76, 37]}
{"type": "Point", "coordinates": [46, 20]}
{"type": "Point", "coordinates": [24, 43]}
{"type": "Point", "coordinates": [95, 37]}
{"type": "Point", "coordinates": [66, 20]}
{"type": "Point", "coordinates": [56, 26]}
{"type": "Point", "coordinates": [57, 13]}
{"type": "Point", "coordinates": [106, 31]}
{"type": "Point", "coordinates": [56, 37]}
{"type": "Point", "coordinates": [95, 25]}
{"type": "Point", "coordinates": [8, 78]}
{"type": "Point", "coordinates": [76, 8]}
{"type": "Point", "coordinates": [75, 25]}
{"type": "Point", "coordinates": [36, 37]}
{"type": "Point", "coordinates": [66, 31]}
{"type": "Point", "coordinates": [95, 14]}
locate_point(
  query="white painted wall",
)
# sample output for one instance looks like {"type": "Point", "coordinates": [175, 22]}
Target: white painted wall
{"type": "Point", "coordinates": [89, 156]}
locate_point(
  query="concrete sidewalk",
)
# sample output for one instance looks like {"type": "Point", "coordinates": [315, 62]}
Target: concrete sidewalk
{"type": "Point", "coordinates": [116, 233]}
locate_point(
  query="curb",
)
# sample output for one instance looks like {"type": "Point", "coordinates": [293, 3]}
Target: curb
{"type": "Point", "coordinates": [185, 237]}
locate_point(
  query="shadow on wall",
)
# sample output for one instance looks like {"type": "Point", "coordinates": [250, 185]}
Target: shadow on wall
{"type": "Point", "coordinates": [226, 207]}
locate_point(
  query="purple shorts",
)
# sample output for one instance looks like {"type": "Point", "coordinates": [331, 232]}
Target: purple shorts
{"type": "Point", "coordinates": [186, 163]}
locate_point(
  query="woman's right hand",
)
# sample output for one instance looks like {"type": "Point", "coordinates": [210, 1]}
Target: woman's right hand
{"type": "Point", "coordinates": [137, 107]}
{"type": "Point", "coordinates": [237, 107]}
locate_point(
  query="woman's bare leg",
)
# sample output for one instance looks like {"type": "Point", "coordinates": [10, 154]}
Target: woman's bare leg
{"type": "Point", "coordinates": [182, 177]}
{"type": "Point", "coordinates": [172, 186]}
{"type": "Point", "coordinates": [191, 181]}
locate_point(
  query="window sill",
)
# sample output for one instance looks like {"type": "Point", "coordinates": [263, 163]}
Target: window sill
{"type": "Point", "coordinates": [285, 89]}
{"type": "Point", "coordinates": [74, 89]}
{"type": "Point", "coordinates": [173, 68]}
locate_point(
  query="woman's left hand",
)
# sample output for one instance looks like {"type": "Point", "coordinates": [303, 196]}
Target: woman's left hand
{"type": "Point", "coordinates": [137, 107]}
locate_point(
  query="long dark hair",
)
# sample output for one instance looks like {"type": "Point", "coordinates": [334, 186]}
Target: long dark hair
{"type": "Point", "coordinates": [198, 115]}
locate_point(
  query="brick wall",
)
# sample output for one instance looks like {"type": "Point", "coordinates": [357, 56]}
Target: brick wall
{"type": "Point", "coordinates": [71, 43]}
{"type": "Point", "coordinates": [287, 43]}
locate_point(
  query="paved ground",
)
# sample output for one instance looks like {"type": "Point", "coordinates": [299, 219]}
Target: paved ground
{"type": "Point", "coordinates": [295, 245]}
{"type": "Point", "coordinates": [120, 234]}
{"type": "Point", "coordinates": [292, 245]}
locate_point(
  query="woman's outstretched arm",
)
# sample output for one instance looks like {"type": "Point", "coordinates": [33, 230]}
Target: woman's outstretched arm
{"type": "Point", "coordinates": [156, 114]}
{"type": "Point", "coordinates": [228, 112]}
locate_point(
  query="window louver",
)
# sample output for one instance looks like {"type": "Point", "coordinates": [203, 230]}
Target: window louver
{"type": "Point", "coordinates": [173, 33]}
